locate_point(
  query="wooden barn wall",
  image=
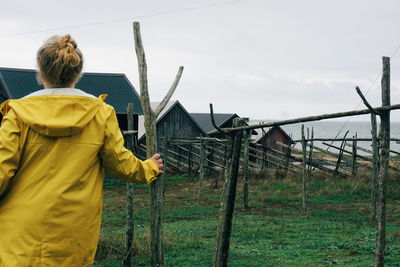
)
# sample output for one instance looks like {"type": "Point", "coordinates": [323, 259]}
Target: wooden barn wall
{"type": "Point", "coordinates": [274, 136]}
{"type": "Point", "coordinates": [270, 141]}
{"type": "Point", "coordinates": [178, 125]}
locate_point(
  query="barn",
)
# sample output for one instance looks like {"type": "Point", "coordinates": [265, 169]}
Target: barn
{"type": "Point", "coordinates": [267, 144]}
{"type": "Point", "coordinates": [174, 122]}
{"type": "Point", "coordinates": [16, 83]}
{"type": "Point", "coordinates": [222, 120]}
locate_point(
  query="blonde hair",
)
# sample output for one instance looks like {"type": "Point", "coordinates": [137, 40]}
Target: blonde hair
{"type": "Point", "coordinates": [59, 61]}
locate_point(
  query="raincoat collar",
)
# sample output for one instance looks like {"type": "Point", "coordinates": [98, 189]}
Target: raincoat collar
{"type": "Point", "coordinates": [55, 115]}
{"type": "Point", "coordinates": [60, 91]}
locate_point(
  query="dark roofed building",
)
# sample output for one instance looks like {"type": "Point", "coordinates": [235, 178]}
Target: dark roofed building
{"type": "Point", "coordinates": [222, 120]}
{"type": "Point", "coordinates": [17, 83]}
{"type": "Point", "coordinates": [174, 122]}
{"type": "Point", "coordinates": [179, 123]}
{"type": "Point", "coordinates": [267, 143]}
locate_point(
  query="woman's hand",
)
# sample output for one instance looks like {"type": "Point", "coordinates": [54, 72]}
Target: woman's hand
{"type": "Point", "coordinates": [156, 158]}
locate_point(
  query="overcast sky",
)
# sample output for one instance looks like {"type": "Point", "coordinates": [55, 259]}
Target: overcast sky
{"type": "Point", "coordinates": [258, 58]}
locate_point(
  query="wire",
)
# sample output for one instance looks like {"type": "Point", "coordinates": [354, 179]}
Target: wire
{"type": "Point", "coordinates": [369, 89]}
{"type": "Point", "coordinates": [122, 19]}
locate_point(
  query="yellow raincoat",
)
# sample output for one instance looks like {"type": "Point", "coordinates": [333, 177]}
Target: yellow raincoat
{"type": "Point", "coordinates": [53, 152]}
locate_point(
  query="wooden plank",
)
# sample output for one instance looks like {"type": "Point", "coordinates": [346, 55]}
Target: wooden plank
{"type": "Point", "coordinates": [311, 118]}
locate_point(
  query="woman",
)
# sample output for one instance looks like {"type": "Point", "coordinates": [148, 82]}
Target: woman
{"type": "Point", "coordinates": [54, 147]}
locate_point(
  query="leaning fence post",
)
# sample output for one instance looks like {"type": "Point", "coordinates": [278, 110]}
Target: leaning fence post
{"type": "Point", "coordinates": [341, 150]}
{"type": "Point", "coordinates": [129, 198]}
{"type": "Point", "coordinates": [228, 198]}
{"type": "Point", "coordinates": [384, 134]}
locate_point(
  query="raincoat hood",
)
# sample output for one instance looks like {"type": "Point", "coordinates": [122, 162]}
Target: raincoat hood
{"type": "Point", "coordinates": [55, 115]}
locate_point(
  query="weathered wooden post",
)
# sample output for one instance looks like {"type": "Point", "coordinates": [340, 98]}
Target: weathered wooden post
{"type": "Point", "coordinates": [341, 150]}
{"type": "Point", "coordinates": [354, 157]}
{"type": "Point", "coordinates": [305, 172]}
{"type": "Point", "coordinates": [129, 198]}
{"type": "Point", "coordinates": [246, 138]}
{"type": "Point", "coordinates": [310, 154]}
{"type": "Point", "coordinates": [190, 160]}
{"type": "Point", "coordinates": [384, 134]}
{"type": "Point", "coordinates": [375, 166]}
{"type": "Point", "coordinates": [288, 154]}
{"type": "Point", "coordinates": [150, 118]}
{"type": "Point", "coordinates": [201, 170]}
{"type": "Point", "coordinates": [178, 164]}
{"type": "Point", "coordinates": [164, 155]}
{"type": "Point", "coordinates": [228, 198]}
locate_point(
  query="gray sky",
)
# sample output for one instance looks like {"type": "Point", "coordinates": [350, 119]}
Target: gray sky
{"type": "Point", "coordinates": [259, 58]}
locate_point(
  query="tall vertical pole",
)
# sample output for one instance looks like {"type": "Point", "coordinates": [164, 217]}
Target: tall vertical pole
{"type": "Point", "coordinates": [310, 155]}
{"type": "Point", "coordinates": [189, 160]}
{"type": "Point", "coordinates": [375, 166]}
{"type": "Point", "coordinates": [384, 166]}
{"type": "Point", "coordinates": [129, 198]}
{"type": "Point", "coordinates": [246, 169]}
{"type": "Point", "coordinates": [305, 172]}
{"type": "Point", "coordinates": [354, 157]}
{"type": "Point", "coordinates": [201, 170]}
{"type": "Point", "coordinates": [228, 198]}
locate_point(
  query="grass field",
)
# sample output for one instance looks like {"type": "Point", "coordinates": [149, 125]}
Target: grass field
{"type": "Point", "coordinates": [335, 229]}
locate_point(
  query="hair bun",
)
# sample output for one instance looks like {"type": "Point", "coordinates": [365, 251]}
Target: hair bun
{"type": "Point", "coordinates": [67, 51]}
{"type": "Point", "coordinates": [67, 41]}
{"type": "Point", "coordinates": [60, 61]}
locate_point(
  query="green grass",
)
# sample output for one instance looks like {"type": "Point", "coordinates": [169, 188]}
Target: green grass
{"type": "Point", "coordinates": [335, 229]}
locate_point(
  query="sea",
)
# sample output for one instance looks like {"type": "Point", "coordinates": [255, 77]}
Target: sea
{"type": "Point", "coordinates": [337, 129]}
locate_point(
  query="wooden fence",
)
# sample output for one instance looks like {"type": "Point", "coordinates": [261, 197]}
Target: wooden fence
{"type": "Point", "coordinates": [202, 155]}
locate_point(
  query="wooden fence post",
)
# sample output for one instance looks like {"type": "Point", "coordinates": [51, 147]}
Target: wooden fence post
{"type": "Point", "coordinates": [127, 261]}
{"type": "Point", "coordinates": [354, 157]}
{"type": "Point", "coordinates": [150, 119]}
{"type": "Point", "coordinates": [305, 172]}
{"type": "Point", "coordinates": [375, 166]}
{"type": "Point", "coordinates": [178, 164]}
{"type": "Point", "coordinates": [190, 160]}
{"type": "Point", "coordinates": [310, 155]}
{"type": "Point", "coordinates": [341, 150]}
{"type": "Point", "coordinates": [247, 136]}
{"type": "Point", "coordinates": [201, 170]}
{"type": "Point", "coordinates": [228, 198]}
{"type": "Point", "coordinates": [384, 134]}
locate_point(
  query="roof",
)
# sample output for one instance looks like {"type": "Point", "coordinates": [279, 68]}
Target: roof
{"type": "Point", "coordinates": [170, 105]}
{"type": "Point", "coordinates": [17, 83]}
{"type": "Point", "coordinates": [262, 132]}
{"type": "Point", "coordinates": [204, 119]}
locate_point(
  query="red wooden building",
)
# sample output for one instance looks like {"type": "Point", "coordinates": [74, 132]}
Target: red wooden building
{"type": "Point", "coordinates": [269, 147]}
